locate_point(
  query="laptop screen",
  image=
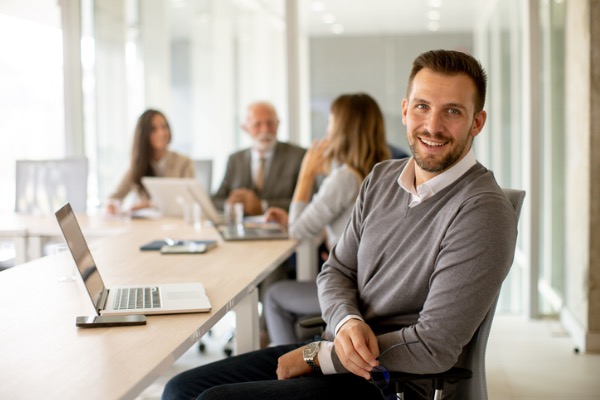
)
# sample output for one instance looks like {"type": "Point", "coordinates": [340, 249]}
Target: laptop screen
{"type": "Point", "coordinates": [81, 253]}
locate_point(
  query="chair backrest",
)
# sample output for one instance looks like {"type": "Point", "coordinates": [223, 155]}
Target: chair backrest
{"type": "Point", "coordinates": [204, 173]}
{"type": "Point", "coordinates": [42, 186]}
{"type": "Point", "coordinates": [476, 387]}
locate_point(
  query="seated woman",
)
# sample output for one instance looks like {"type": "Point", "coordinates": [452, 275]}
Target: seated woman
{"type": "Point", "coordinates": [355, 142]}
{"type": "Point", "coordinates": [149, 157]}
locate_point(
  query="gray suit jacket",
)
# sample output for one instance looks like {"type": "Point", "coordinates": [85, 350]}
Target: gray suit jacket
{"type": "Point", "coordinates": [281, 177]}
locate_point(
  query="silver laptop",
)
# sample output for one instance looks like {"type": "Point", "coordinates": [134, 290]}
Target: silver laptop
{"type": "Point", "coordinates": [169, 195]}
{"type": "Point", "coordinates": [251, 229]}
{"type": "Point", "coordinates": [133, 299]}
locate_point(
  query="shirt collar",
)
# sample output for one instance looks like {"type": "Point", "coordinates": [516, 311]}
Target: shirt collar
{"type": "Point", "coordinates": [406, 180]}
{"type": "Point", "coordinates": [267, 155]}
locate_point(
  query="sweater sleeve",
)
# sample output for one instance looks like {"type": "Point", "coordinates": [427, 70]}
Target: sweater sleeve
{"type": "Point", "coordinates": [335, 196]}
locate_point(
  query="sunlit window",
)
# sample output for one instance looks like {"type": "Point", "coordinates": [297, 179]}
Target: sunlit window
{"type": "Point", "coordinates": [31, 97]}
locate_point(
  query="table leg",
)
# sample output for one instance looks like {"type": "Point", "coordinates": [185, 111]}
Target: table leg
{"type": "Point", "coordinates": [247, 323]}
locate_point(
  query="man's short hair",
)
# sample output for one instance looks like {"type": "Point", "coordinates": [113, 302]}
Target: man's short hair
{"type": "Point", "coordinates": [451, 62]}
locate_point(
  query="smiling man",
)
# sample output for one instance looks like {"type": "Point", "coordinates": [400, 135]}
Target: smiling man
{"type": "Point", "coordinates": [424, 254]}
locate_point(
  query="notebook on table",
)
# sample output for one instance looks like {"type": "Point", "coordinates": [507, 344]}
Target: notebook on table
{"type": "Point", "coordinates": [132, 299]}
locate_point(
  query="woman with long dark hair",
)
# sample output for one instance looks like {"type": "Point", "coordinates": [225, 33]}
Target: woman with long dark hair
{"type": "Point", "coordinates": [150, 156]}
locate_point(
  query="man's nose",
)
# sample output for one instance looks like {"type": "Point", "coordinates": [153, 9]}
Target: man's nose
{"type": "Point", "coordinates": [434, 123]}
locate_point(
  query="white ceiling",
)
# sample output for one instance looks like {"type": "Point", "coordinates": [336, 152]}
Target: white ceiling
{"type": "Point", "coordinates": [355, 17]}
{"type": "Point", "coordinates": [360, 17]}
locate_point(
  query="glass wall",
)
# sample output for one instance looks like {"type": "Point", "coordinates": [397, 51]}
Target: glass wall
{"type": "Point", "coordinates": [201, 66]}
{"type": "Point", "coordinates": [31, 98]}
{"type": "Point", "coordinates": [552, 124]}
{"type": "Point", "coordinates": [499, 47]}
{"type": "Point", "coordinates": [522, 47]}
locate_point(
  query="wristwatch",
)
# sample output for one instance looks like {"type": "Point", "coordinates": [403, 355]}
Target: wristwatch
{"type": "Point", "coordinates": [310, 352]}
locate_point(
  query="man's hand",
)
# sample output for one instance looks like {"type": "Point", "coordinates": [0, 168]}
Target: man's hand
{"type": "Point", "coordinates": [276, 214]}
{"type": "Point", "coordinates": [357, 348]}
{"type": "Point", "coordinates": [292, 365]}
{"type": "Point", "coordinates": [248, 198]}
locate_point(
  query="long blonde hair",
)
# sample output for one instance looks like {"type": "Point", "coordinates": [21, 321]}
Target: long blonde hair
{"type": "Point", "coordinates": [357, 137]}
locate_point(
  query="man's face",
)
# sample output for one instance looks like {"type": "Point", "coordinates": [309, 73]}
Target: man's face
{"type": "Point", "coordinates": [261, 124]}
{"type": "Point", "coordinates": [440, 119]}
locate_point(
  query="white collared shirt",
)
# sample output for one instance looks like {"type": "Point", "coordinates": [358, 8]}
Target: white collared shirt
{"type": "Point", "coordinates": [427, 189]}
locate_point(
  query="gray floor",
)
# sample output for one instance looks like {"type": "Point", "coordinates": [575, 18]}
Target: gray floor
{"type": "Point", "coordinates": [526, 360]}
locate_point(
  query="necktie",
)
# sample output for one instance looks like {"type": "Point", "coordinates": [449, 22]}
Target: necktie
{"type": "Point", "coordinates": [259, 182]}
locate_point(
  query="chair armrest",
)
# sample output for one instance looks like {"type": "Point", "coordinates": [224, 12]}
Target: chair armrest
{"type": "Point", "coordinates": [312, 322]}
{"type": "Point", "coordinates": [452, 374]}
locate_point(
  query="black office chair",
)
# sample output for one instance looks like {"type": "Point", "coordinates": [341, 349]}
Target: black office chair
{"type": "Point", "coordinates": [472, 383]}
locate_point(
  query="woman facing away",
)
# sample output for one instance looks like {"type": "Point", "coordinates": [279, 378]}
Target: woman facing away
{"type": "Point", "coordinates": [355, 142]}
{"type": "Point", "coordinates": [150, 156]}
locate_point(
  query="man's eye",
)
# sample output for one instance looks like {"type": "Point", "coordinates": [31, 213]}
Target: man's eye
{"type": "Point", "coordinates": [421, 106]}
{"type": "Point", "coordinates": [453, 111]}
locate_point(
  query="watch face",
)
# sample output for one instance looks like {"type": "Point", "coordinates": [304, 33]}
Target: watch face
{"type": "Point", "coordinates": [311, 350]}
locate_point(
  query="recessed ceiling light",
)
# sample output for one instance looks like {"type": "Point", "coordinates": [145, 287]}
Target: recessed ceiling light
{"type": "Point", "coordinates": [337, 29]}
{"type": "Point", "coordinates": [435, 3]}
{"type": "Point", "coordinates": [329, 18]}
{"type": "Point", "coordinates": [318, 6]}
{"type": "Point", "coordinates": [433, 15]}
{"type": "Point", "coordinates": [433, 26]}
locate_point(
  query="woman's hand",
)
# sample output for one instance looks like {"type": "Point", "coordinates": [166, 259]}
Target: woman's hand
{"type": "Point", "coordinates": [316, 160]}
{"type": "Point", "coordinates": [276, 214]}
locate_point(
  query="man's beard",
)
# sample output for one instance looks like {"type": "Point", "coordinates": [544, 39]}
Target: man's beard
{"type": "Point", "coordinates": [433, 164]}
{"type": "Point", "coordinates": [263, 145]}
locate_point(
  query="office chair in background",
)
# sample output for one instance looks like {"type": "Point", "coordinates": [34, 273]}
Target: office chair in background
{"type": "Point", "coordinates": [472, 383]}
{"type": "Point", "coordinates": [42, 186]}
{"type": "Point", "coordinates": [203, 169]}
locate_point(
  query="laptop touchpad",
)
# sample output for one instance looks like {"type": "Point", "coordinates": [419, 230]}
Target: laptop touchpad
{"type": "Point", "coordinates": [184, 295]}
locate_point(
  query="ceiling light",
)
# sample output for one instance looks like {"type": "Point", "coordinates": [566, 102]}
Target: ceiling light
{"type": "Point", "coordinates": [433, 15]}
{"type": "Point", "coordinates": [318, 6]}
{"type": "Point", "coordinates": [328, 18]}
{"type": "Point", "coordinates": [433, 26]}
{"type": "Point", "coordinates": [337, 29]}
{"type": "Point", "coordinates": [435, 3]}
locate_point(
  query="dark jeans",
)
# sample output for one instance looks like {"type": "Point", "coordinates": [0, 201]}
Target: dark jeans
{"type": "Point", "coordinates": [252, 376]}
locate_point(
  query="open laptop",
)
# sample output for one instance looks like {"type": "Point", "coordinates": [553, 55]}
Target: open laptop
{"type": "Point", "coordinates": [134, 299]}
{"type": "Point", "coordinates": [169, 194]}
{"type": "Point", "coordinates": [249, 231]}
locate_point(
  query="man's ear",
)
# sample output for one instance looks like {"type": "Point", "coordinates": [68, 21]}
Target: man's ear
{"type": "Point", "coordinates": [404, 111]}
{"type": "Point", "coordinates": [244, 128]}
{"type": "Point", "coordinates": [478, 123]}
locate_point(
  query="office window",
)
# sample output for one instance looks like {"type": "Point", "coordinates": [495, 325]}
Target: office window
{"type": "Point", "coordinates": [500, 145]}
{"type": "Point", "coordinates": [31, 90]}
{"type": "Point", "coordinates": [524, 142]}
{"type": "Point", "coordinates": [199, 61]}
{"type": "Point", "coordinates": [552, 124]}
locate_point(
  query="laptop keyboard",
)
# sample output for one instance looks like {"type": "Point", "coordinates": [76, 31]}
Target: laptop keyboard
{"type": "Point", "coordinates": [134, 298]}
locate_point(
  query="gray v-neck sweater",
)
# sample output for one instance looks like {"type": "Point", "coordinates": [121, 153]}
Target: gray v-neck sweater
{"type": "Point", "coordinates": [428, 273]}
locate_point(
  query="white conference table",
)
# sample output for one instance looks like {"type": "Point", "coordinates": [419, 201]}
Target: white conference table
{"type": "Point", "coordinates": [43, 354]}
